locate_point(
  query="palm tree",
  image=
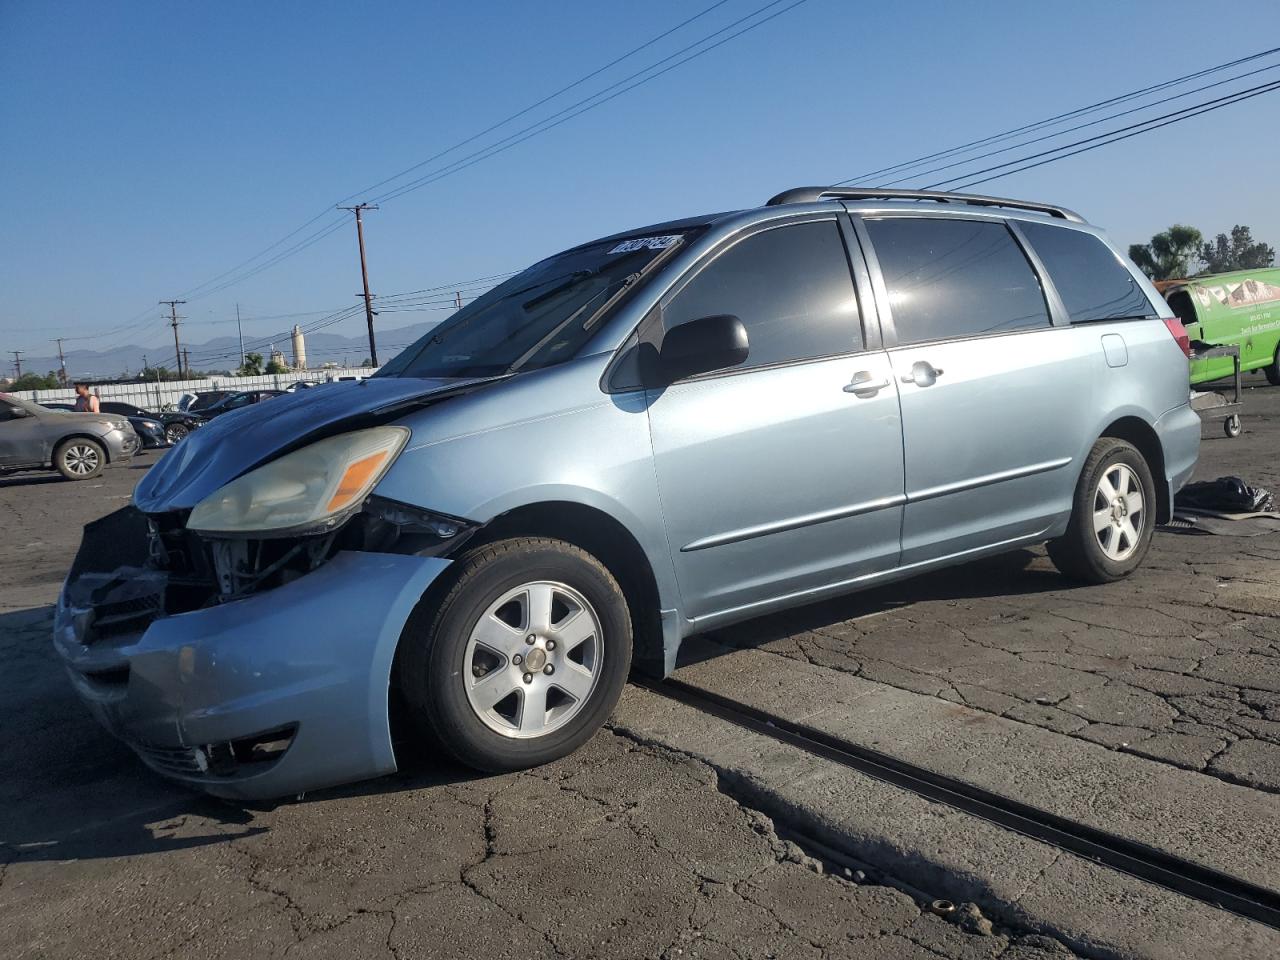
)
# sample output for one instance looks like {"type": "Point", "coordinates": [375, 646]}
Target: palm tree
{"type": "Point", "coordinates": [1169, 254]}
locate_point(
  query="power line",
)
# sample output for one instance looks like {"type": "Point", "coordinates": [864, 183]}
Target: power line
{"type": "Point", "coordinates": [1186, 113]}
{"type": "Point", "coordinates": [534, 130]}
{"type": "Point", "coordinates": [1081, 126]}
{"type": "Point", "coordinates": [259, 343]}
{"type": "Point", "coordinates": [1086, 144]}
{"type": "Point", "coordinates": [449, 286]}
{"type": "Point", "coordinates": [343, 313]}
{"type": "Point", "coordinates": [232, 276]}
{"type": "Point", "coordinates": [309, 240]}
{"type": "Point", "coordinates": [547, 99]}
{"type": "Point", "coordinates": [1048, 121]}
{"type": "Point", "coordinates": [238, 274]}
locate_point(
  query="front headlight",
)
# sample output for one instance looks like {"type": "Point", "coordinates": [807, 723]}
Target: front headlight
{"type": "Point", "coordinates": [308, 491]}
{"type": "Point", "coordinates": [120, 425]}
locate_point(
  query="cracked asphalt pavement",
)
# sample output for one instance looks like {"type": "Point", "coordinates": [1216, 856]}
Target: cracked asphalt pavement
{"type": "Point", "coordinates": [636, 847]}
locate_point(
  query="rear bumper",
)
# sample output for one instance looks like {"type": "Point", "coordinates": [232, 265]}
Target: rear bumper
{"type": "Point", "coordinates": [313, 657]}
{"type": "Point", "coordinates": [1179, 433]}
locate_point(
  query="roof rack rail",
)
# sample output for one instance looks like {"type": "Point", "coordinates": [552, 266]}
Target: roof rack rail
{"type": "Point", "coordinates": [811, 194]}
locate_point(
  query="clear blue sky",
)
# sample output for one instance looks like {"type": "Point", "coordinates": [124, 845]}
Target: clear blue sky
{"type": "Point", "coordinates": [148, 146]}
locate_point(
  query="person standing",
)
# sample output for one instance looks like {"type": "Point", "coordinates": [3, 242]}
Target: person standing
{"type": "Point", "coordinates": [85, 401]}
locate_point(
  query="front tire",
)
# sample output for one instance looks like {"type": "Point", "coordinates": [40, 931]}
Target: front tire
{"type": "Point", "coordinates": [1112, 516]}
{"type": "Point", "coordinates": [522, 659]}
{"type": "Point", "coordinates": [79, 458]}
{"type": "Point", "coordinates": [176, 432]}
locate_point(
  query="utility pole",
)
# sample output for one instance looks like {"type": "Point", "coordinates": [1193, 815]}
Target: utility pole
{"type": "Point", "coordinates": [173, 321]}
{"type": "Point", "coordinates": [186, 360]}
{"type": "Point", "coordinates": [358, 209]}
{"type": "Point", "coordinates": [240, 334]}
{"type": "Point", "coordinates": [457, 299]}
{"type": "Point", "coordinates": [17, 362]}
{"type": "Point", "coordinates": [62, 361]}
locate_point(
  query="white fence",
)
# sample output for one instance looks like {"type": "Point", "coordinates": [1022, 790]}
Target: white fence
{"type": "Point", "coordinates": [158, 395]}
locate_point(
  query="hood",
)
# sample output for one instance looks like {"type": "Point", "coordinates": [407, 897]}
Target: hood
{"type": "Point", "coordinates": [107, 421]}
{"type": "Point", "coordinates": [236, 442]}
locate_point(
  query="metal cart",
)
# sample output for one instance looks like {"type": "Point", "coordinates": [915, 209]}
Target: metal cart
{"type": "Point", "coordinates": [1211, 404]}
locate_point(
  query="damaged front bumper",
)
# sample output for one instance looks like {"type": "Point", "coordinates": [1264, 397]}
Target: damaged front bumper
{"type": "Point", "coordinates": [266, 696]}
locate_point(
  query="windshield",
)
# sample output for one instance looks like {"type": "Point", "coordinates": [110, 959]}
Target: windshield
{"type": "Point", "coordinates": [539, 317]}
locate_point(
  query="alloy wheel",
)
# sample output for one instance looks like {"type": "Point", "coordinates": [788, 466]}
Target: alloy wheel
{"type": "Point", "coordinates": [1119, 512]}
{"type": "Point", "coordinates": [81, 459]}
{"type": "Point", "coordinates": [533, 659]}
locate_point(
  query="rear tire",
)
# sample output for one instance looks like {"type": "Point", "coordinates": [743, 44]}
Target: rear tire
{"type": "Point", "coordinates": [522, 659]}
{"type": "Point", "coordinates": [1112, 516]}
{"type": "Point", "coordinates": [79, 458]}
{"type": "Point", "coordinates": [175, 432]}
{"type": "Point", "coordinates": [1272, 370]}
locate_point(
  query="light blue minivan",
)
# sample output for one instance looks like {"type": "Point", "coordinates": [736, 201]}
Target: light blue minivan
{"type": "Point", "coordinates": [638, 439]}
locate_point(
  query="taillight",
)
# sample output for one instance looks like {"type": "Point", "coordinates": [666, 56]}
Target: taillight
{"type": "Point", "coordinates": [1179, 333]}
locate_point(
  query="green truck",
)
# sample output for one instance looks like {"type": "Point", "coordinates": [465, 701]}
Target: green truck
{"type": "Point", "coordinates": [1241, 308]}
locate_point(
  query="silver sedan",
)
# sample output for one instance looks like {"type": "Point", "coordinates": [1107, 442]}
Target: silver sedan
{"type": "Point", "coordinates": [77, 445]}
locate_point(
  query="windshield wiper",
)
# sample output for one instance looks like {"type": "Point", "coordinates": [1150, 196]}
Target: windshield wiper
{"type": "Point", "coordinates": [569, 280]}
{"type": "Point", "coordinates": [620, 286]}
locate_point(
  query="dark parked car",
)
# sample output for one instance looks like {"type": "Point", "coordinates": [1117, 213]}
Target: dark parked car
{"type": "Point", "coordinates": [175, 424]}
{"type": "Point", "coordinates": [147, 426]}
{"type": "Point", "coordinates": [237, 400]}
{"type": "Point", "coordinates": [205, 399]}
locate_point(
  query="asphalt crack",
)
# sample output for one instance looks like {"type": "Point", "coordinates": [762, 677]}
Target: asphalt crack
{"type": "Point", "coordinates": [765, 815]}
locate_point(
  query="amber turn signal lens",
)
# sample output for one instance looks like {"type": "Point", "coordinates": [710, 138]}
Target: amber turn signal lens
{"type": "Point", "coordinates": [355, 480]}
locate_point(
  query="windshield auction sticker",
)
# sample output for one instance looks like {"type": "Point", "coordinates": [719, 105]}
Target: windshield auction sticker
{"type": "Point", "coordinates": [646, 243]}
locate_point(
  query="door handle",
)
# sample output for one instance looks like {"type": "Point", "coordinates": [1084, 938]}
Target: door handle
{"type": "Point", "coordinates": [923, 374]}
{"type": "Point", "coordinates": [865, 384]}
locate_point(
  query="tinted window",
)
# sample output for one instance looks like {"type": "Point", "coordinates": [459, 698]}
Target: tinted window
{"type": "Point", "coordinates": [128, 409]}
{"type": "Point", "coordinates": [1093, 283]}
{"type": "Point", "coordinates": [955, 278]}
{"type": "Point", "coordinates": [790, 286]}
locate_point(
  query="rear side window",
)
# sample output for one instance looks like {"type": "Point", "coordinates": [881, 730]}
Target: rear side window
{"type": "Point", "coordinates": [790, 286]}
{"type": "Point", "coordinates": [951, 278]}
{"type": "Point", "coordinates": [1093, 283]}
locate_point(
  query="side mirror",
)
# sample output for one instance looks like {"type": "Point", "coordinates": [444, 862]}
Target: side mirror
{"type": "Point", "coordinates": [701, 346]}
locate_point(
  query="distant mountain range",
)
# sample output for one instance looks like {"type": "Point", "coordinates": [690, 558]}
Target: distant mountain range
{"type": "Point", "coordinates": [223, 353]}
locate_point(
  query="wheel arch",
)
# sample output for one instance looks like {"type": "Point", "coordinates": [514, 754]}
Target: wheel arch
{"type": "Point", "coordinates": [1135, 430]}
{"type": "Point", "coordinates": [79, 435]}
{"type": "Point", "coordinates": [605, 538]}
